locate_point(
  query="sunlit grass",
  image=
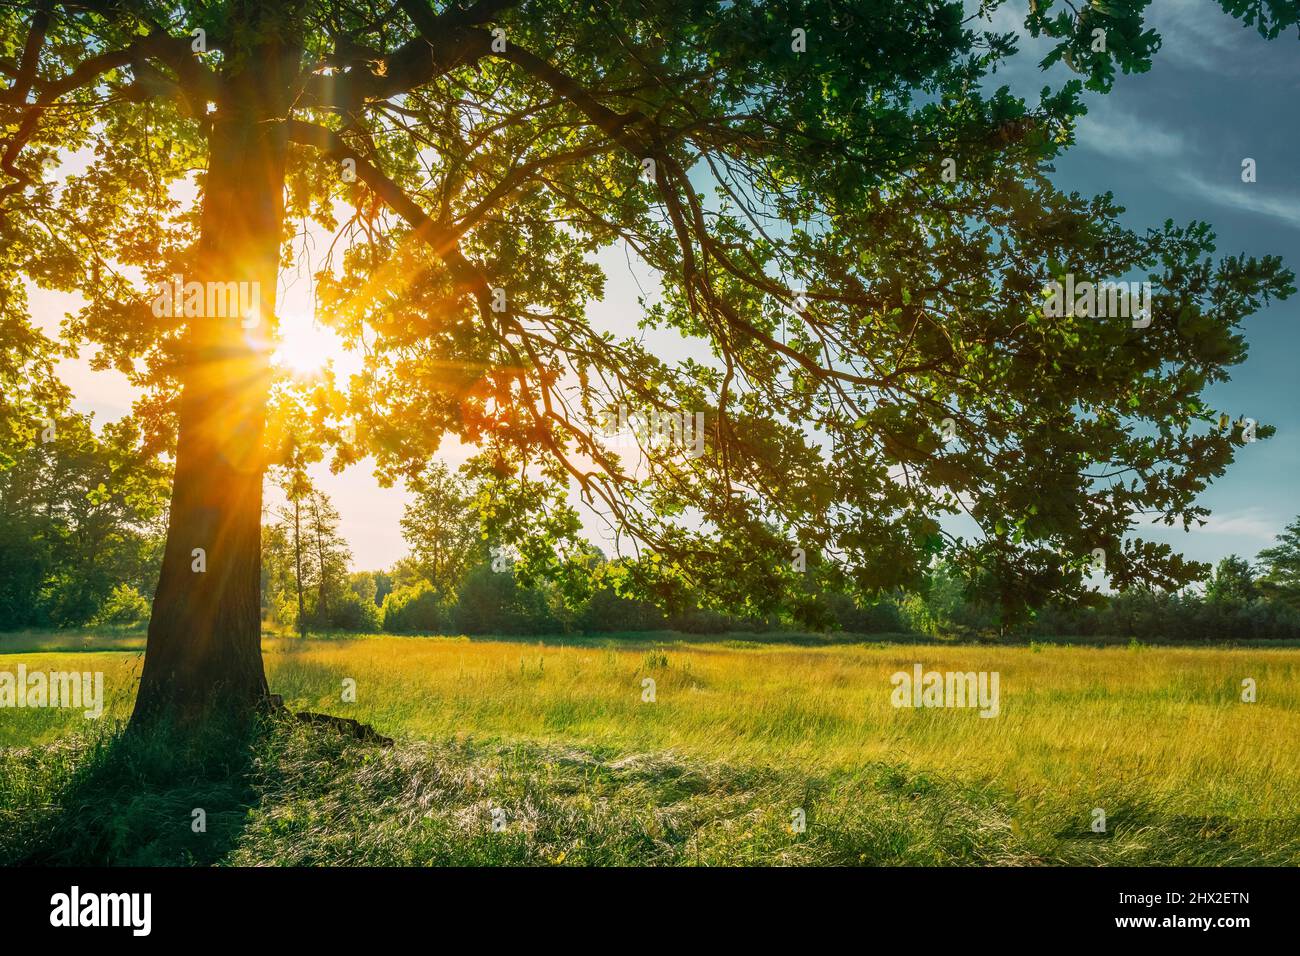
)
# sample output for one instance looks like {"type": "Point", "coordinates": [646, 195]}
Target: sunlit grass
{"type": "Point", "coordinates": [1075, 722]}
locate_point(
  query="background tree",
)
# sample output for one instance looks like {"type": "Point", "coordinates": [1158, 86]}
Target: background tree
{"type": "Point", "coordinates": [305, 559]}
{"type": "Point", "coordinates": [329, 558]}
{"type": "Point", "coordinates": [1279, 566]}
{"type": "Point", "coordinates": [279, 575]}
{"type": "Point", "coordinates": [441, 528]}
{"type": "Point", "coordinates": [290, 531]}
{"type": "Point", "coordinates": [741, 151]}
{"type": "Point", "coordinates": [79, 520]}
{"type": "Point", "coordinates": [1232, 583]}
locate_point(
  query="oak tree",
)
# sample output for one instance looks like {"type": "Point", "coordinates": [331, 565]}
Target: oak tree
{"type": "Point", "coordinates": [851, 227]}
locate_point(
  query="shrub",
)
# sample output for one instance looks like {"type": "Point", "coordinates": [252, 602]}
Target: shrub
{"type": "Point", "coordinates": [125, 606]}
{"type": "Point", "coordinates": [492, 602]}
{"type": "Point", "coordinates": [353, 612]}
{"type": "Point", "coordinates": [879, 617]}
{"type": "Point", "coordinates": [607, 611]}
{"type": "Point", "coordinates": [698, 621]}
{"type": "Point", "coordinates": [414, 608]}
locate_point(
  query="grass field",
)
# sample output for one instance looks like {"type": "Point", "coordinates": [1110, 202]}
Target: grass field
{"type": "Point", "coordinates": [556, 744]}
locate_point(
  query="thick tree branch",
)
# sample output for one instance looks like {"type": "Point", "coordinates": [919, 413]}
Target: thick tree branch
{"type": "Point", "coordinates": [445, 43]}
{"type": "Point", "coordinates": [26, 74]}
{"type": "Point", "coordinates": [614, 125]}
{"type": "Point", "coordinates": [198, 82]}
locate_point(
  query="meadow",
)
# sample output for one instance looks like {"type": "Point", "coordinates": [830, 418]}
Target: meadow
{"type": "Point", "coordinates": [749, 753]}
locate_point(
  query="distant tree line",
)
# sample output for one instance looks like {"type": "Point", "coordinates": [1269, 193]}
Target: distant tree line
{"type": "Point", "coordinates": [82, 517]}
{"type": "Point", "coordinates": [81, 522]}
{"type": "Point", "coordinates": [454, 581]}
{"type": "Point", "coordinates": [1240, 601]}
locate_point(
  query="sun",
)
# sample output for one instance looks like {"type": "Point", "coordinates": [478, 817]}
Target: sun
{"type": "Point", "coordinates": [305, 346]}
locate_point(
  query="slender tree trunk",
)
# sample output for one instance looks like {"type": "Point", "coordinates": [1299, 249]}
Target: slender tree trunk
{"type": "Point", "coordinates": [297, 559]}
{"type": "Point", "coordinates": [321, 591]}
{"type": "Point", "coordinates": [204, 647]}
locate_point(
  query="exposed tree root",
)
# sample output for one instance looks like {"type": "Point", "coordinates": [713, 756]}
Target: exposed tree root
{"type": "Point", "coordinates": [344, 725]}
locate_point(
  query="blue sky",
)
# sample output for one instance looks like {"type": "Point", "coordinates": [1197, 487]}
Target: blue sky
{"type": "Point", "coordinates": [1168, 144]}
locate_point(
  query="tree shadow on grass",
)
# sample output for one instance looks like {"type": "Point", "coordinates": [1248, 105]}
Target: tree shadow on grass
{"type": "Point", "coordinates": [129, 798]}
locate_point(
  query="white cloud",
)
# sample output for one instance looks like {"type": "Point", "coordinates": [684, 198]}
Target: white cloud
{"type": "Point", "coordinates": [1244, 196]}
{"type": "Point", "coordinates": [1200, 35]}
{"type": "Point", "coordinates": [1120, 134]}
{"type": "Point", "coordinates": [1246, 523]}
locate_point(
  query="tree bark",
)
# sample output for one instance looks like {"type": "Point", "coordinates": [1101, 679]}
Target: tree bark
{"type": "Point", "coordinates": [321, 591]}
{"type": "Point", "coordinates": [204, 647]}
{"type": "Point", "coordinates": [297, 558]}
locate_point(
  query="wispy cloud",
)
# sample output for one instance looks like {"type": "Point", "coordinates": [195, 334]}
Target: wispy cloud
{"type": "Point", "coordinates": [1254, 523]}
{"type": "Point", "coordinates": [1123, 135]}
{"type": "Point", "coordinates": [1244, 196]}
{"type": "Point", "coordinates": [1201, 36]}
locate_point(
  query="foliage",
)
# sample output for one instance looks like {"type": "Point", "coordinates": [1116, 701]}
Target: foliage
{"type": "Point", "coordinates": [439, 527]}
{"type": "Point", "coordinates": [1279, 567]}
{"type": "Point", "coordinates": [305, 580]}
{"type": "Point", "coordinates": [736, 166]}
{"type": "Point", "coordinates": [414, 609]}
{"type": "Point", "coordinates": [1232, 583]}
{"type": "Point", "coordinates": [1170, 617]}
{"type": "Point", "coordinates": [328, 557]}
{"type": "Point", "coordinates": [80, 515]}
{"type": "Point", "coordinates": [124, 606]}
{"type": "Point", "coordinates": [494, 602]}
{"type": "Point", "coordinates": [607, 611]}
{"type": "Point", "coordinates": [351, 611]}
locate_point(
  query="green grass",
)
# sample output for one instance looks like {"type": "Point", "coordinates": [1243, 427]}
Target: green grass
{"type": "Point", "coordinates": [740, 736]}
{"type": "Point", "coordinates": [53, 642]}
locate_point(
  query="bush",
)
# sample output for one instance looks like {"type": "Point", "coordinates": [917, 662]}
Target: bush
{"type": "Point", "coordinates": [492, 602]}
{"type": "Point", "coordinates": [1149, 615]}
{"type": "Point", "coordinates": [125, 606]}
{"type": "Point", "coordinates": [606, 611]}
{"type": "Point", "coordinates": [879, 617]}
{"type": "Point", "coordinates": [353, 612]}
{"type": "Point", "coordinates": [414, 608]}
{"type": "Point", "coordinates": [697, 621]}
{"type": "Point", "coordinates": [941, 609]}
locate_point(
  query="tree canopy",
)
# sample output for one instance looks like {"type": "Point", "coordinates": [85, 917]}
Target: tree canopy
{"type": "Point", "coordinates": [1280, 566]}
{"type": "Point", "coordinates": [79, 520]}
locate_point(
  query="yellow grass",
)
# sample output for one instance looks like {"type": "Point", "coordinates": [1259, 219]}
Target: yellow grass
{"type": "Point", "coordinates": [1075, 723]}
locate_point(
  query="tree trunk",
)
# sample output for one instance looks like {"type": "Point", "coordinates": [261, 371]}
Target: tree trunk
{"type": "Point", "coordinates": [297, 558]}
{"type": "Point", "coordinates": [204, 647]}
{"type": "Point", "coordinates": [321, 600]}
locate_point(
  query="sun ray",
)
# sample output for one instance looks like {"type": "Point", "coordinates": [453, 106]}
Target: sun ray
{"type": "Point", "coordinates": [305, 346]}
